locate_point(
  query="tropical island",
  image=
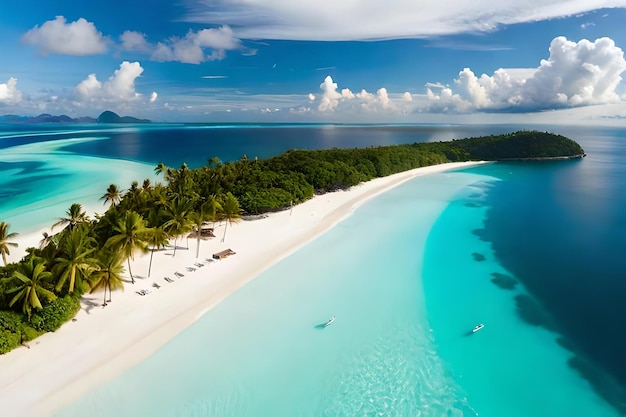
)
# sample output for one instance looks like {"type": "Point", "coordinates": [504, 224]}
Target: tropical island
{"type": "Point", "coordinates": [85, 255]}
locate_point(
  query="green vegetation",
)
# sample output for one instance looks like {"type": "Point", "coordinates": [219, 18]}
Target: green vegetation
{"type": "Point", "coordinates": [42, 291]}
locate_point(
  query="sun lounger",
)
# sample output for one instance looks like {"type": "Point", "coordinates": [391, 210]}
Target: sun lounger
{"type": "Point", "coordinates": [155, 285]}
{"type": "Point", "coordinates": [224, 254]}
{"type": "Point", "coordinates": [168, 279]}
{"type": "Point", "coordinates": [190, 269]}
{"type": "Point", "coordinates": [178, 274]}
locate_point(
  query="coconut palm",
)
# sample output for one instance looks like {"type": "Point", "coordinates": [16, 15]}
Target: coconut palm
{"type": "Point", "coordinates": [156, 238]}
{"type": "Point", "coordinates": [113, 195]}
{"type": "Point", "coordinates": [198, 218]}
{"type": "Point", "coordinates": [108, 274]}
{"type": "Point", "coordinates": [28, 280]}
{"type": "Point", "coordinates": [160, 168]}
{"type": "Point", "coordinates": [130, 236]}
{"type": "Point", "coordinates": [73, 217]}
{"type": "Point", "coordinates": [178, 221]}
{"type": "Point", "coordinates": [231, 212]}
{"type": "Point", "coordinates": [5, 236]}
{"type": "Point", "coordinates": [74, 261]}
{"type": "Point", "coordinates": [214, 207]}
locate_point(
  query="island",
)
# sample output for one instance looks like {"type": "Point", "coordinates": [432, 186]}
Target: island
{"type": "Point", "coordinates": [43, 290]}
{"type": "Point", "coordinates": [112, 117]}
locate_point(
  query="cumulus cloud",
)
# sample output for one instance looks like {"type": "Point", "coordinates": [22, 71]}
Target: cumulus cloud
{"type": "Point", "coordinates": [9, 94]}
{"type": "Point", "coordinates": [575, 74]}
{"type": "Point", "coordinates": [407, 96]}
{"type": "Point", "coordinates": [192, 49]}
{"type": "Point", "coordinates": [59, 37]}
{"type": "Point", "coordinates": [119, 88]}
{"type": "Point", "coordinates": [330, 96]}
{"type": "Point", "coordinates": [326, 19]}
{"type": "Point", "coordinates": [153, 97]}
{"type": "Point", "coordinates": [332, 99]}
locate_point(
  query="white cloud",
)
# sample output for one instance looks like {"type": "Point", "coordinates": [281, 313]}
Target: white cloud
{"type": "Point", "coordinates": [575, 74]}
{"type": "Point", "coordinates": [300, 110]}
{"type": "Point", "coordinates": [191, 48]}
{"type": "Point", "coordinates": [58, 37]}
{"type": "Point", "coordinates": [9, 93]}
{"type": "Point", "coordinates": [327, 19]}
{"type": "Point", "coordinates": [330, 96]}
{"type": "Point", "coordinates": [118, 89]}
{"type": "Point", "coordinates": [153, 97]}
{"type": "Point", "coordinates": [407, 96]}
{"type": "Point", "coordinates": [135, 41]}
{"type": "Point", "coordinates": [363, 101]}
{"type": "Point", "coordinates": [383, 97]}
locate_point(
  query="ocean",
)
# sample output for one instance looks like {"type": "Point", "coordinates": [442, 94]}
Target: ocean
{"type": "Point", "coordinates": [531, 250]}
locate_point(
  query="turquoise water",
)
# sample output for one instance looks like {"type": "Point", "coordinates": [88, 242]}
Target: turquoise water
{"type": "Point", "coordinates": [40, 181]}
{"type": "Point", "coordinates": [510, 367]}
{"type": "Point", "coordinates": [399, 345]}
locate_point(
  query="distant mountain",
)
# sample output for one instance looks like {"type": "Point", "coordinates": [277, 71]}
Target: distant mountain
{"type": "Point", "coordinates": [111, 117]}
{"type": "Point", "coordinates": [48, 118]}
{"type": "Point", "coordinates": [45, 118]}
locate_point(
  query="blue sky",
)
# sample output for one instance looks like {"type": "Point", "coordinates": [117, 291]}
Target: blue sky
{"type": "Point", "coordinates": [403, 61]}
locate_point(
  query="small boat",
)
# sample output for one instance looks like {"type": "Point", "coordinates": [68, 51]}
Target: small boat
{"type": "Point", "coordinates": [477, 327]}
{"type": "Point", "coordinates": [330, 321]}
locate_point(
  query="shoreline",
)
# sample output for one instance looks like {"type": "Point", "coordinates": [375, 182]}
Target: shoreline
{"type": "Point", "coordinates": [103, 342]}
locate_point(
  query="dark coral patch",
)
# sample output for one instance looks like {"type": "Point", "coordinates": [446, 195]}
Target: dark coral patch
{"type": "Point", "coordinates": [478, 257]}
{"type": "Point", "coordinates": [504, 281]}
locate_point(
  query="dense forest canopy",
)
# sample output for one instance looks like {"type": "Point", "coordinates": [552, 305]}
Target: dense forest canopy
{"type": "Point", "coordinates": [43, 290]}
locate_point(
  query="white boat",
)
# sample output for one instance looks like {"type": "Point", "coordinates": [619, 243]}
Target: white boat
{"type": "Point", "coordinates": [477, 327]}
{"type": "Point", "coordinates": [329, 322]}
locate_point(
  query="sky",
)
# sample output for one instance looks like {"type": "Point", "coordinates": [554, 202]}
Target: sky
{"type": "Point", "coordinates": [339, 61]}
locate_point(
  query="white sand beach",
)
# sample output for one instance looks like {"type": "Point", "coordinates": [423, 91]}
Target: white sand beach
{"type": "Point", "coordinates": [102, 342]}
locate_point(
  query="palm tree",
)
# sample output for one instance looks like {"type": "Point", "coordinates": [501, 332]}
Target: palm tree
{"type": "Point", "coordinates": [73, 217]}
{"type": "Point", "coordinates": [29, 278]}
{"type": "Point", "coordinates": [4, 241]}
{"type": "Point", "coordinates": [160, 168]}
{"type": "Point", "coordinates": [130, 236]}
{"type": "Point", "coordinates": [113, 195]}
{"type": "Point", "coordinates": [231, 212]}
{"type": "Point", "coordinates": [108, 275]}
{"type": "Point", "coordinates": [178, 213]}
{"type": "Point", "coordinates": [214, 207]}
{"type": "Point", "coordinates": [74, 262]}
{"type": "Point", "coordinates": [156, 238]}
{"type": "Point", "coordinates": [198, 218]}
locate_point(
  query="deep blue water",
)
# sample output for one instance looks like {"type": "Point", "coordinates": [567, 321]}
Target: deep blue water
{"type": "Point", "coordinates": [560, 228]}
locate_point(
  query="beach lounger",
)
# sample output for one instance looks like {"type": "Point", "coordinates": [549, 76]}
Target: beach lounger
{"type": "Point", "coordinates": [168, 279]}
{"type": "Point", "coordinates": [155, 285]}
{"type": "Point", "coordinates": [178, 274]}
{"type": "Point", "coordinates": [190, 269]}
